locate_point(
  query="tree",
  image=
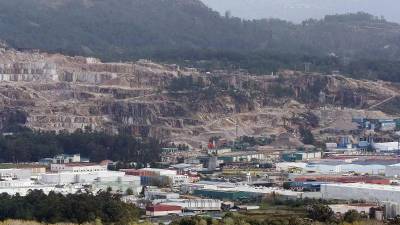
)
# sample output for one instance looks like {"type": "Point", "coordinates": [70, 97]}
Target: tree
{"type": "Point", "coordinates": [352, 216]}
{"type": "Point", "coordinates": [307, 136]}
{"type": "Point", "coordinates": [320, 212]}
{"type": "Point", "coordinates": [129, 191]}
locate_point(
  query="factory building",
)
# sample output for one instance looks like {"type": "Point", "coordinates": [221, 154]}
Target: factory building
{"type": "Point", "coordinates": [392, 170]}
{"type": "Point", "coordinates": [163, 210]}
{"type": "Point", "coordinates": [219, 151]}
{"type": "Point", "coordinates": [158, 194]}
{"type": "Point", "coordinates": [230, 191]}
{"type": "Point", "coordinates": [386, 146]}
{"type": "Point", "coordinates": [64, 159]}
{"type": "Point", "coordinates": [158, 177]}
{"type": "Point", "coordinates": [392, 209]}
{"type": "Point", "coordinates": [300, 156]}
{"type": "Point", "coordinates": [341, 168]}
{"type": "Point", "coordinates": [305, 186]}
{"type": "Point", "coordinates": [225, 195]}
{"type": "Point", "coordinates": [241, 156]}
{"type": "Point", "coordinates": [23, 187]}
{"type": "Point", "coordinates": [196, 204]}
{"type": "Point", "coordinates": [15, 174]}
{"type": "Point", "coordinates": [84, 177]}
{"type": "Point", "coordinates": [78, 167]}
{"type": "Point", "coordinates": [120, 185]}
{"type": "Point", "coordinates": [359, 191]}
{"type": "Point", "coordinates": [339, 179]}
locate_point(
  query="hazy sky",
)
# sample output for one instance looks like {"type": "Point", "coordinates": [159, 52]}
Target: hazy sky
{"type": "Point", "coordinates": [298, 10]}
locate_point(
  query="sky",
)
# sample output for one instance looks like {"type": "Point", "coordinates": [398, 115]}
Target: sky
{"type": "Point", "coordinates": [299, 10]}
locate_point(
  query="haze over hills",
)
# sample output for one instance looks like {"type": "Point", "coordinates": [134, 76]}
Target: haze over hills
{"type": "Point", "coordinates": [299, 10]}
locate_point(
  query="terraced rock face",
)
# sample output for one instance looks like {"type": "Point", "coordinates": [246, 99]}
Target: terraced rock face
{"type": "Point", "coordinates": [57, 93]}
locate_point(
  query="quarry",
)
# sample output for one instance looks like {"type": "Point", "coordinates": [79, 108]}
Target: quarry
{"type": "Point", "coordinates": [58, 93]}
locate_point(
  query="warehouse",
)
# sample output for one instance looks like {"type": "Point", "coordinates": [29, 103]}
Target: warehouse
{"type": "Point", "coordinates": [392, 170]}
{"type": "Point", "coordinates": [15, 173]}
{"type": "Point", "coordinates": [82, 177]}
{"type": "Point", "coordinates": [77, 167]}
{"type": "Point", "coordinates": [386, 146]}
{"type": "Point", "coordinates": [229, 191]}
{"type": "Point", "coordinates": [196, 204]}
{"type": "Point", "coordinates": [300, 156]}
{"type": "Point", "coordinates": [339, 178]}
{"type": "Point", "coordinates": [359, 191]}
{"type": "Point", "coordinates": [225, 195]}
{"type": "Point", "coordinates": [336, 168]}
{"type": "Point", "coordinates": [241, 156]}
{"type": "Point", "coordinates": [159, 194]}
{"type": "Point", "coordinates": [163, 210]}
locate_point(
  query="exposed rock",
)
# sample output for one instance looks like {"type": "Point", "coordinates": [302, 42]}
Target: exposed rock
{"type": "Point", "coordinates": [58, 93]}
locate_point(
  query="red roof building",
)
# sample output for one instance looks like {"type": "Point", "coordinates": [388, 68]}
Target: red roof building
{"type": "Point", "coordinates": [163, 210]}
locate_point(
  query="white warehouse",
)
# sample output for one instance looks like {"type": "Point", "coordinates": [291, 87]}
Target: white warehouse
{"type": "Point", "coordinates": [360, 191]}
{"type": "Point", "coordinates": [81, 177]}
{"type": "Point", "coordinates": [77, 167]}
{"type": "Point", "coordinates": [196, 204]}
{"type": "Point", "coordinates": [392, 170]}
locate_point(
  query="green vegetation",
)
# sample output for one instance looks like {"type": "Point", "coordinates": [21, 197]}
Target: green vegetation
{"type": "Point", "coordinates": [75, 208]}
{"type": "Point", "coordinates": [306, 136]}
{"type": "Point", "coordinates": [189, 33]}
{"type": "Point", "coordinates": [32, 146]}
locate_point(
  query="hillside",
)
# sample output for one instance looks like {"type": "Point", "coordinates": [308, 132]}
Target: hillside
{"type": "Point", "coordinates": [52, 92]}
{"type": "Point", "coordinates": [132, 29]}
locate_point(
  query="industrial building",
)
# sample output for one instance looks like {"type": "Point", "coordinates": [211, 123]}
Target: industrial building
{"type": "Point", "coordinates": [219, 151]}
{"type": "Point", "coordinates": [154, 194]}
{"type": "Point", "coordinates": [64, 159]}
{"type": "Point", "coordinates": [23, 187]}
{"type": "Point", "coordinates": [332, 178]}
{"type": "Point", "coordinates": [231, 191]}
{"type": "Point", "coordinates": [163, 210]}
{"type": "Point", "coordinates": [392, 209]}
{"type": "Point", "coordinates": [85, 177]}
{"type": "Point", "coordinates": [360, 191]}
{"type": "Point", "coordinates": [15, 174]}
{"type": "Point", "coordinates": [392, 170]}
{"type": "Point", "coordinates": [300, 156]}
{"type": "Point", "coordinates": [245, 156]}
{"type": "Point", "coordinates": [386, 146]}
{"type": "Point", "coordinates": [119, 186]}
{"type": "Point", "coordinates": [78, 167]}
{"type": "Point", "coordinates": [196, 204]}
{"type": "Point", "coordinates": [158, 177]}
{"type": "Point", "coordinates": [306, 186]}
{"type": "Point", "coordinates": [341, 168]}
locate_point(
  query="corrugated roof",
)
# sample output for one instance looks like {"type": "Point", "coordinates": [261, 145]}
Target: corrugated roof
{"type": "Point", "coordinates": [158, 208]}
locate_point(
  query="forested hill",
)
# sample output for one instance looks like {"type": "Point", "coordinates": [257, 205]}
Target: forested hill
{"type": "Point", "coordinates": [187, 31]}
{"type": "Point", "coordinates": [121, 29]}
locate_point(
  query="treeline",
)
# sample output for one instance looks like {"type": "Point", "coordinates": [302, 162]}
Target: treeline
{"type": "Point", "coordinates": [266, 62]}
{"type": "Point", "coordinates": [75, 208]}
{"type": "Point", "coordinates": [31, 146]}
{"type": "Point", "coordinates": [189, 33]}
